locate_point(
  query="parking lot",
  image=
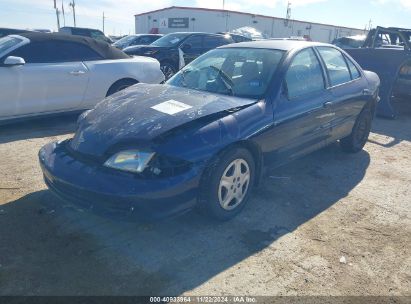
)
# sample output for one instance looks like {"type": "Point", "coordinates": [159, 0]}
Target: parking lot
{"type": "Point", "coordinates": [327, 224]}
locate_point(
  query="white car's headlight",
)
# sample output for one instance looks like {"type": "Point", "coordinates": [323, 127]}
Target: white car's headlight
{"type": "Point", "coordinates": [130, 160]}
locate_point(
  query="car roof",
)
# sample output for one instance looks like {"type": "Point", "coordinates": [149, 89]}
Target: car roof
{"type": "Point", "coordinates": [79, 28]}
{"type": "Point", "coordinates": [102, 48]}
{"type": "Point", "coordinates": [139, 35]}
{"type": "Point", "coordinates": [283, 45]}
{"type": "Point", "coordinates": [13, 30]}
{"type": "Point", "coordinates": [196, 33]}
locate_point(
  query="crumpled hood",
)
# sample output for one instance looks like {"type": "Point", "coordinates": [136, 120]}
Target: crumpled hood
{"type": "Point", "coordinates": [143, 112]}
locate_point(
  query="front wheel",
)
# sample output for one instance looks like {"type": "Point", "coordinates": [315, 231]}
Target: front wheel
{"type": "Point", "coordinates": [356, 141]}
{"type": "Point", "coordinates": [227, 184]}
{"type": "Point", "coordinates": [120, 85]}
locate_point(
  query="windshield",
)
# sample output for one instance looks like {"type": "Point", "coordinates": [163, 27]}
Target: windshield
{"type": "Point", "coordinates": [169, 40]}
{"type": "Point", "coordinates": [125, 41]}
{"type": "Point", "coordinates": [8, 42]}
{"type": "Point", "coordinates": [241, 72]}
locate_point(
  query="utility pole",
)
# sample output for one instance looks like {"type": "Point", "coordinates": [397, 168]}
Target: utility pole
{"type": "Point", "coordinates": [57, 15]}
{"type": "Point", "coordinates": [73, 5]}
{"type": "Point", "coordinates": [288, 15]}
{"type": "Point", "coordinates": [62, 10]}
{"type": "Point", "coordinates": [369, 25]}
{"type": "Point", "coordinates": [223, 4]}
{"type": "Point", "coordinates": [104, 19]}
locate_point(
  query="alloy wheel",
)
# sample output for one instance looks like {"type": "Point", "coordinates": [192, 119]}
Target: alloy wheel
{"type": "Point", "coordinates": [234, 184]}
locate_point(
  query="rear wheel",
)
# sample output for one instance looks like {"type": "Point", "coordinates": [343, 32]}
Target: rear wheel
{"type": "Point", "coordinates": [120, 85]}
{"type": "Point", "coordinates": [226, 185]}
{"type": "Point", "coordinates": [356, 141]}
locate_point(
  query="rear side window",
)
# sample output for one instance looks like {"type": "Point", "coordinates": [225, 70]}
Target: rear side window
{"type": "Point", "coordinates": [355, 74]}
{"type": "Point", "coordinates": [81, 32]}
{"type": "Point", "coordinates": [143, 40]}
{"type": "Point", "coordinates": [196, 42]}
{"type": "Point", "coordinates": [148, 39]}
{"type": "Point", "coordinates": [212, 42]}
{"type": "Point", "coordinates": [8, 43]}
{"type": "Point", "coordinates": [304, 76]}
{"type": "Point", "coordinates": [336, 66]}
{"type": "Point", "coordinates": [55, 51]}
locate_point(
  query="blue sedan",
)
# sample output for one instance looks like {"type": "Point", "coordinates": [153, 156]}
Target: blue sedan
{"type": "Point", "coordinates": [206, 137]}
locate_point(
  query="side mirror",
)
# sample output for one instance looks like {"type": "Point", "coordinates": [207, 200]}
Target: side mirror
{"type": "Point", "coordinates": [14, 61]}
{"type": "Point", "coordinates": [186, 47]}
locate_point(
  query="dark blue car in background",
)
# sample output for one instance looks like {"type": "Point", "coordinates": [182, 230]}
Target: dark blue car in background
{"type": "Point", "coordinates": [171, 49]}
{"type": "Point", "coordinates": [207, 136]}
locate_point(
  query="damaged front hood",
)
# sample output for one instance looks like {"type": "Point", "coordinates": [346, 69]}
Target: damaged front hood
{"type": "Point", "coordinates": [143, 112]}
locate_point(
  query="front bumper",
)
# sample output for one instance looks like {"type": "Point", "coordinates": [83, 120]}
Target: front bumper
{"type": "Point", "coordinates": [115, 193]}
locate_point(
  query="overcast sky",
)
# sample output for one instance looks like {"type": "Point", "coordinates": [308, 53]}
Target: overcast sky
{"type": "Point", "coordinates": [120, 20]}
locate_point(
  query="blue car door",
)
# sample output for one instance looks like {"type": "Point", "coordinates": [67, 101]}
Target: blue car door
{"type": "Point", "coordinates": [348, 90]}
{"type": "Point", "coordinates": [302, 115]}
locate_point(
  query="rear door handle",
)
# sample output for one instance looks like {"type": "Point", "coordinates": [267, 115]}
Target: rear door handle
{"type": "Point", "coordinates": [327, 104]}
{"type": "Point", "coordinates": [77, 73]}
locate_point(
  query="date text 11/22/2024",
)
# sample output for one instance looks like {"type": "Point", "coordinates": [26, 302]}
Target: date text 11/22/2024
{"type": "Point", "coordinates": [204, 299]}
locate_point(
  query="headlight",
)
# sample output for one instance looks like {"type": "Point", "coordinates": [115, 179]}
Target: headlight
{"type": "Point", "coordinates": [130, 160]}
{"type": "Point", "coordinates": [150, 52]}
{"type": "Point", "coordinates": [405, 70]}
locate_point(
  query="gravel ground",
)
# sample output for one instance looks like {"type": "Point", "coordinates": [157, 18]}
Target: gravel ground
{"type": "Point", "coordinates": [327, 224]}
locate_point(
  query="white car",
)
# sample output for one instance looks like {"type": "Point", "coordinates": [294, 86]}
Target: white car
{"type": "Point", "coordinates": [51, 73]}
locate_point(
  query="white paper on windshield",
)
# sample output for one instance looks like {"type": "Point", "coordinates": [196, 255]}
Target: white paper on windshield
{"type": "Point", "coordinates": [175, 40]}
{"type": "Point", "coordinates": [171, 107]}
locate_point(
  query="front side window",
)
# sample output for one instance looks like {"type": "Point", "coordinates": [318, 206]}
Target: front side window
{"type": "Point", "coordinates": [241, 72]}
{"type": "Point", "coordinates": [336, 66]}
{"type": "Point", "coordinates": [304, 76]}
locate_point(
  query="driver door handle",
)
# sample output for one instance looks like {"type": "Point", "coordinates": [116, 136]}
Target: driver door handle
{"type": "Point", "coordinates": [77, 73]}
{"type": "Point", "coordinates": [327, 104]}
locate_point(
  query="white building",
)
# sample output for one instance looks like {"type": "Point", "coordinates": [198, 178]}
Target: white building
{"type": "Point", "coordinates": [191, 19]}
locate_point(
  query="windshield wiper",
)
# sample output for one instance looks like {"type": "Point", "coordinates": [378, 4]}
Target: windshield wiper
{"type": "Point", "coordinates": [228, 83]}
{"type": "Point", "coordinates": [183, 77]}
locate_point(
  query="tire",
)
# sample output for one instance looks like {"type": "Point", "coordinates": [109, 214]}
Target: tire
{"type": "Point", "coordinates": [168, 70]}
{"type": "Point", "coordinates": [215, 191]}
{"type": "Point", "coordinates": [356, 141]}
{"type": "Point", "coordinates": [120, 85]}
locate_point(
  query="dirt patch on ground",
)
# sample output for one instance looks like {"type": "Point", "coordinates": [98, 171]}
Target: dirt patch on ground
{"type": "Point", "coordinates": [328, 224]}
